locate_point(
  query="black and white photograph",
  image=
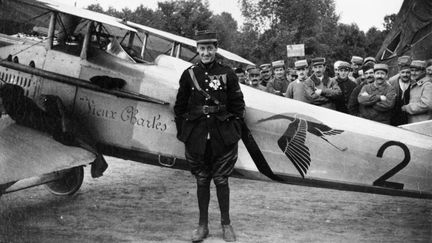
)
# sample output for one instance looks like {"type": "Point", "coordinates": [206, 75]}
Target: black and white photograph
{"type": "Point", "coordinates": [215, 121]}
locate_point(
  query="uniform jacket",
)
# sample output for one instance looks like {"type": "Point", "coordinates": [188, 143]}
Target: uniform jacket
{"type": "Point", "coordinates": [296, 91]}
{"type": "Point", "coordinates": [330, 91]}
{"type": "Point", "coordinates": [399, 117]}
{"type": "Point", "coordinates": [277, 84]}
{"type": "Point", "coordinates": [372, 107]}
{"type": "Point", "coordinates": [420, 102]}
{"type": "Point", "coordinates": [194, 128]}
{"type": "Point", "coordinates": [346, 87]}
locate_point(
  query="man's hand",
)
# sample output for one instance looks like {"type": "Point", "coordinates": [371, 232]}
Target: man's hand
{"type": "Point", "coordinates": [383, 98]}
{"type": "Point", "coordinates": [364, 93]}
{"type": "Point", "coordinates": [318, 91]}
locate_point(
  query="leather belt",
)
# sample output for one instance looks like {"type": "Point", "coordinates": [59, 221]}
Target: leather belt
{"type": "Point", "coordinates": [209, 109]}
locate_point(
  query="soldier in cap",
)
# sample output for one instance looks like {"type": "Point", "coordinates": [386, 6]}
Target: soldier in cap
{"type": "Point", "coordinates": [335, 68]}
{"type": "Point", "coordinates": [208, 112]}
{"type": "Point", "coordinates": [296, 89]}
{"type": "Point", "coordinates": [377, 99]}
{"type": "Point", "coordinates": [254, 79]}
{"type": "Point", "coordinates": [279, 83]}
{"type": "Point", "coordinates": [319, 88]}
{"type": "Point", "coordinates": [356, 65]}
{"type": "Point", "coordinates": [353, 105]}
{"type": "Point", "coordinates": [266, 73]}
{"type": "Point", "coordinates": [346, 85]}
{"type": "Point", "coordinates": [419, 107]}
{"type": "Point", "coordinates": [401, 85]}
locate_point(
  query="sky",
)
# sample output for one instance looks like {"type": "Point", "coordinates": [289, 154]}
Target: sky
{"type": "Point", "coordinates": [364, 13]}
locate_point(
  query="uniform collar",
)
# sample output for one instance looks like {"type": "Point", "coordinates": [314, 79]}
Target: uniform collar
{"type": "Point", "coordinates": [208, 65]}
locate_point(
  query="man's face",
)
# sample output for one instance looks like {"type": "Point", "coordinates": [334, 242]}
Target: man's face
{"type": "Point", "coordinates": [241, 77]}
{"type": "Point", "coordinates": [343, 73]}
{"type": "Point", "coordinates": [266, 73]}
{"type": "Point", "coordinates": [369, 75]}
{"type": "Point", "coordinates": [279, 72]}
{"type": "Point", "coordinates": [318, 70]}
{"type": "Point", "coordinates": [207, 52]}
{"type": "Point", "coordinates": [254, 78]}
{"type": "Point", "coordinates": [405, 75]}
{"type": "Point", "coordinates": [380, 77]}
{"type": "Point", "coordinates": [416, 73]}
{"type": "Point", "coordinates": [355, 67]}
{"type": "Point", "coordinates": [429, 71]}
{"type": "Point", "coordinates": [301, 72]}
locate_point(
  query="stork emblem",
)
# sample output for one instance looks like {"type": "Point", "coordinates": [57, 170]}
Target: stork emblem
{"type": "Point", "coordinates": [292, 142]}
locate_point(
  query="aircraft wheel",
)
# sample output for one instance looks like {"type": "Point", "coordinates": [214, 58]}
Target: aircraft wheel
{"type": "Point", "coordinates": [68, 184]}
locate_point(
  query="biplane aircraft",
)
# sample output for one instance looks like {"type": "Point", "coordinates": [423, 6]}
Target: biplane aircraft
{"type": "Point", "coordinates": [284, 140]}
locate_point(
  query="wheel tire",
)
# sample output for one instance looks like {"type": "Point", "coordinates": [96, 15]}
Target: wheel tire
{"type": "Point", "coordinates": [68, 184]}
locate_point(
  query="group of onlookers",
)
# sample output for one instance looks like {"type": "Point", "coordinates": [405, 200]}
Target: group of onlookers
{"type": "Point", "coordinates": [361, 88]}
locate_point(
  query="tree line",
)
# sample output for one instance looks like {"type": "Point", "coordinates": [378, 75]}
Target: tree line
{"type": "Point", "coordinates": [269, 26]}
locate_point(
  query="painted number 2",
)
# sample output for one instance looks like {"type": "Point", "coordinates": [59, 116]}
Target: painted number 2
{"type": "Point", "coordinates": [382, 181]}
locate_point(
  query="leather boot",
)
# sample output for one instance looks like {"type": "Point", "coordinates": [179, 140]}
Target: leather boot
{"type": "Point", "coordinates": [228, 233]}
{"type": "Point", "coordinates": [200, 233]}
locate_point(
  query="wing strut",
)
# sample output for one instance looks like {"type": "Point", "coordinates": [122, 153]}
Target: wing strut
{"type": "Point", "coordinates": [256, 154]}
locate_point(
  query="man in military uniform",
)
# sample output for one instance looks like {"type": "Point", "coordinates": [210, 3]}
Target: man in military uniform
{"type": "Point", "coordinates": [208, 113]}
{"type": "Point", "coordinates": [346, 85]}
{"type": "Point", "coordinates": [319, 88]}
{"type": "Point", "coordinates": [419, 107]}
{"type": "Point", "coordinates": [401, 85]}
{"type": "Point", "coordinates": [254, 79]}
{"type": "Point", "coordinates": [266, 73]}
{"type": "Point", "coordinates": [278, 84]}
{"type": "Point", "coordinates": [296, 89]}
{"type": "Point", "coordinates": [377, 99]}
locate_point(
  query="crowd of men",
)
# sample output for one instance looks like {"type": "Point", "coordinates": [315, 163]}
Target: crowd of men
{"type": "Point", "coordinates": [360, 88]}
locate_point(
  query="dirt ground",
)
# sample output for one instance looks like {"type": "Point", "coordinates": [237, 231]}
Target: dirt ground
{"type": "Point", "coordinates": [140, 203]}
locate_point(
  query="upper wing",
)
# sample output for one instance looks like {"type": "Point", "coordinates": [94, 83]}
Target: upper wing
{"type": "Point", "coordinates": [185, 41]}
{"type": "Point", "coordinates": [293, 145]}
{"type": "Point", "coordinates": [82, 13]}
{"type": "Point", "coordinates": [25, 152]}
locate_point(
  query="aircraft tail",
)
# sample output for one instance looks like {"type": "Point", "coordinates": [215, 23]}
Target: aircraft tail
{"type": "Point", "coordinates": [424, 127]}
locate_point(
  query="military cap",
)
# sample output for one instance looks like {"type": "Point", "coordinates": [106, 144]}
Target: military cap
{"type": "Point", "coordinates": [318, 61]}
{"type": "Point", "coordinates": [278, 63]}
{"type": "Point", "coordinates": [381, 66]}
{"type": "Point", "coordinates": [419, 64]}
{"type": "Point", "coordinates": [357, 60]}
{"type": "Point", "coordinates": [344, 65]}
{"type": "Point", "coordinates": [205, 36]}
{"type": "Point", "coordinates": [367, 66]}
{"type": "Point", "coordinates": [265, 66]}
{"type": "Point", "coordinates": [248, 67]}
{"type": "Point", "coordinates": [301, 64]}
{"type": "Point", "coordinates": [254, 70]}
{"type": "Point", "coordinates": [369, 59]}
{"type": "Point", "coordinates": [404, 62]}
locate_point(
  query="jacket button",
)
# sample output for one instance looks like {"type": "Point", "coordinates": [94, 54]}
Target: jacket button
{"type": "Point", "coordinates": [208, 116]}
{"type": "Point", "coordinates": [193, 88]}
{"type": "Point", "coordinates": [206, 80]}
{"type": "Point", "coordinates": [206, 89]}
{"type": "Point", "coordinates": [206, 73]}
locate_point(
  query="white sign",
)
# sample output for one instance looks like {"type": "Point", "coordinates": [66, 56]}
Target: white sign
{"type": "Point", "coordinates": [295, 50]}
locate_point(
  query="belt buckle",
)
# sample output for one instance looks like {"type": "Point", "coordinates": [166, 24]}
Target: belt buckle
{"type": "Point", "coordinates": [206, 109]}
